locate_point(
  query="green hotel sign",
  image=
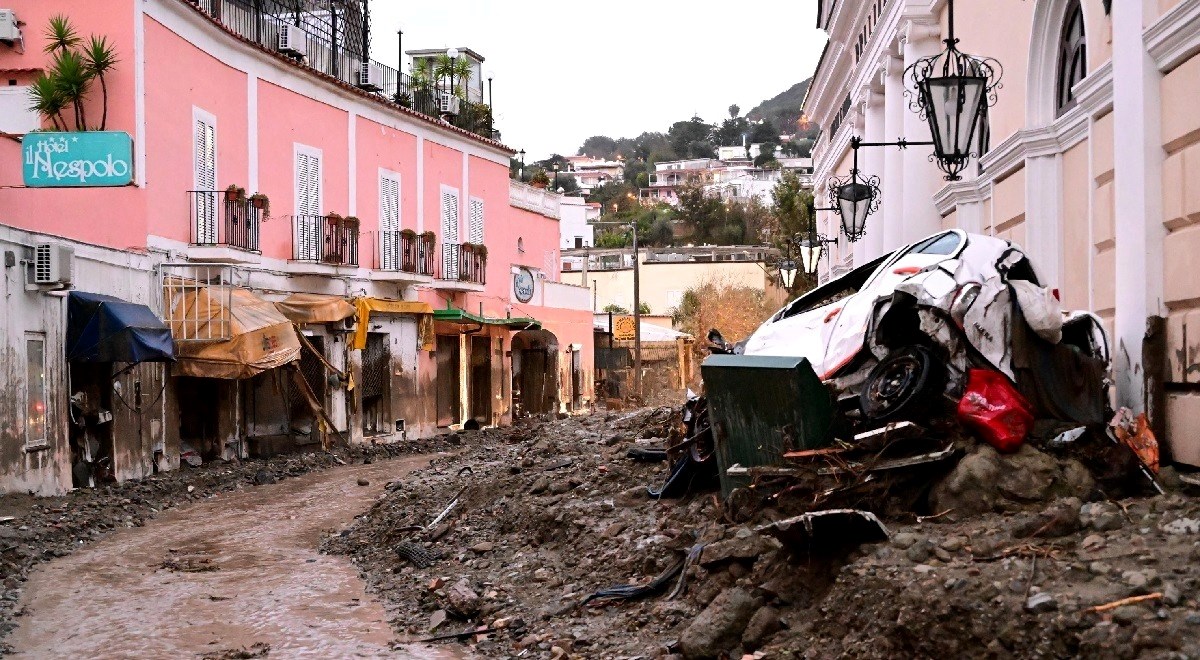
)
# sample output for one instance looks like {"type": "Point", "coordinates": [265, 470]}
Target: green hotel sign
{"type": "Point", "coordinates": [86, 159]}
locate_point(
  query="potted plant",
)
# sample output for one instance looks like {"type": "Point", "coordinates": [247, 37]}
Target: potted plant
{"type": "Point", "coordinates": [235, 193]}
{"type": "Point", "coordinates": [261, 202]}
{"type": "Point", "coordinates": [539, 179]}
{"type": "Point", "coordinates": [409, 233]}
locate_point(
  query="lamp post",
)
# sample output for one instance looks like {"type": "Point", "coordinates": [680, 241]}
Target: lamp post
{"type": "Point", "coordinates": [521, 172]}
{"type": "Point", "coordinates": [556, 166]}
{"type": "Point", "coordinates": [491, 108]}
{"type": "Point", "coordinates": [854, 197]}
{"type": "Point", "coordinates": [952, 91]}
{"type": "Point", "coordinates": [452, 53]}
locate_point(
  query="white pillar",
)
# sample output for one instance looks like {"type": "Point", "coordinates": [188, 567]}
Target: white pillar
{"type": "Point", "coordinates": [1043, 216]}
{"type": "Point", "coordinates": [922, 178]}
{"type": "Point", "coordinates": [1138, 198]}
{"type": "Point", "coordinates": [871, 161]}
{"type": "Point", "coordinates": [889, 222]}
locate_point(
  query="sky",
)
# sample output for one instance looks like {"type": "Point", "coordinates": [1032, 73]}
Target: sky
{"type": "Point", "coordinates": [569, 70]}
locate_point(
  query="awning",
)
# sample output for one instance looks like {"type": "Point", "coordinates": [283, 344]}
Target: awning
{"type": "Point", "coordinates": [254, 336]}
{"type": "Point", "coordinates": [467, 318]}
{"type": "Point", "coordinates": [315, 308]}
{"type": "Point", "coordinates": [107, 329]}
{"type": "Point", "coordinates": [365, 306]}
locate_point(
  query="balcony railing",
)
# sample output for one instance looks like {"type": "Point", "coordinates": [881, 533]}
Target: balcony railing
{"type": "Point", "coordinates": [407, 252]}
{"type": "Point", "coordinates": [464, 262]}
{"type": "Point", "coordinates": [325, 239]}
{"type": "Point", "coordinates": [331, 41]}
{"type": "Point", "coordinates": [220, 221]}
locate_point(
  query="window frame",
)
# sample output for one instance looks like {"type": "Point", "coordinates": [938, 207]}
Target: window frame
{"type": "Point", "coordinates": [34, 444]}
{"type": "Point", "coordinates": [1072, 58]}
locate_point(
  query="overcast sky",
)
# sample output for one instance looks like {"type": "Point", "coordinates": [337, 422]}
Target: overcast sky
{"type": "Point", "coordinates": [569, 70]}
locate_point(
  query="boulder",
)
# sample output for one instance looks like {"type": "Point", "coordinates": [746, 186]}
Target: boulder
{"type": "Point", "coordinates": [720, 626]}
{"type": "Point", "coordinates": [763, 625]}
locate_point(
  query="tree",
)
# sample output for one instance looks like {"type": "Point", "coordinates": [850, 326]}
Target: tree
{"type": "Point", "coordinates": [691, 138]}
{"type": "Point", "coordinates": [734, 111]}
{"type": "Point", "coordinates": [100, 58]}
{"type": "Point", "coordinates": [66, 83]}
{"type": "Point", "coordinates": [793, 210]}
{"type": "Point", "coordinates": [732, 132]}
{"type": "Point", "coordinates": [702, 211]}
{"type": "Point", "coordinates": [614, 308]}
{"type": "Point", "coordinates": [599, 146]}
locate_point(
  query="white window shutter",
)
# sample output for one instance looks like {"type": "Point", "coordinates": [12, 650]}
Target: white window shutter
{"type": "Point", "coordinates": [206, 181]}
{"type": "Point", "coordinates": [450, 234]}
{"type": "Point", "coordinates": [308, 206]}
{"type": "Point", "coordinates": [389, 222]}
{"type": "Point", "coordinates": [475, 226]}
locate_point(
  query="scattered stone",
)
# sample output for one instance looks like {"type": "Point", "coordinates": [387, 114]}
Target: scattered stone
{"type": "Point", "coordinates": [540, 486]}
{"type": "Point", "coordinates": [438, 618]}
{"type": "Point", "coordinates": [482, 547]}
{"type": "Point", "coordinates": [1171, 594]}
{"type": "Point", "coordinates": [463, 599]}
{"type": "Point", "coordinates": [763, 625]}
{"type": "Point", "coordinates": [1041, 602]}
{"type": "Point", "coordinates": [904, 540]}
{"type": "Point", "coordinates": [362, 481]}
{"type": "Point", "coordinates": [719, 627]}
{"type": "Point", "coordinates": [1182, 527]}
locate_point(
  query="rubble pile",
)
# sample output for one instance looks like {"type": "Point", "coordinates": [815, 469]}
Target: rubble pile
{"type": "Point", "coordinates": [39, 529]}
{"type": "Point", "coordinates": [541, 541]}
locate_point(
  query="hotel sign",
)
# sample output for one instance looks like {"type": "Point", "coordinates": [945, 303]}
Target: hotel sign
{"type": "Point", "coordinates": [86, 159]}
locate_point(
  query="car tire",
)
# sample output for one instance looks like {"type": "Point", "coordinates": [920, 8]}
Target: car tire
{"type": "Point", "coordinates": [905, 385]}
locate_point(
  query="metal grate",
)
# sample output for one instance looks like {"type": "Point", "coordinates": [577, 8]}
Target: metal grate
{"type": "Point", "coordinates": [375, 365]}
{"type": "Point", "coordinates": [41, 263]}
{"type": "Point", "coordinates": [197, 301]}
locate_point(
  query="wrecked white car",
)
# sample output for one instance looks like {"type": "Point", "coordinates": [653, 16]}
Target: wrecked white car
{"type": "Point", "coordinates": [894, 334]}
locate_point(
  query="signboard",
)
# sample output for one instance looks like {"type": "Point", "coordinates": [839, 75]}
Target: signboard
{"type": "Point", "coordinates": [86, 159]}
{"type": "Point", "coordinates": [624, 328]}
{"type": "Point", "coordinates": [524, 284]}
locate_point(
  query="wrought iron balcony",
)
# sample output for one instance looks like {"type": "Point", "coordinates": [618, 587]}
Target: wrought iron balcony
{"type": "Point", "coordinates": [325, 239]}
{"type": "Point", "coordinates": [221, 220]}
{"type": "Point", "coordinates": [406, 251]}
{"type": "Point", "coordinates": [465, 263]}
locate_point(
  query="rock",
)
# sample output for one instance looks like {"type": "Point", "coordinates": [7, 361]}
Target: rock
{"type": "Point", "coordinates": [540, 486]}
{"type": "Point", "coordinates": [262, 477]}
{"type": "Point", "coordinates": [1027, 476]}
{"type": "Point", "coordinates": [1182, 527]}
{"type": "Point", "coordinates": [737, 548]}
{"type": "Point", "coordinates": [952, 543]}
{"type": "Point", "coordinates": [1059, 519]}
{"type": "Point", "coordinates": [463, 599]}
{"type": "Point", "coordinates": [1093, 542]}
{"type": "Point", "coordinates": [720, 626]}
{"type": "Point", "coordinates": [904, 540]}
{"type": "Point", "coordinates": [1126, 615]}
{"type": "Point", "coordinates": [1192, 619]}
{"type": "Point", "coordinates": [919, 551]}
{"type": "Point", "coordinates": [1140, 582]}
{"type": "Point", "coordinates": [614, 530]}
{"type": "Point", "coordinates": [969, 489]}
{"type": "Point", "coordinates": [1076, 481]}
{"type": "Point", "coordinates": [1041, 602]}
{"type": "Point", "coordinates": [362, 481]}
{"type": "Point", "coordinates": [632, 496]}
{"type": "Point", "coordinates": [1101, 516]}
{"type": "Point", "coordinates": [482, 547]}
{"type": "Point", "coordinates": [438, 618]}
{"type": "Point", "coordinates": [763, 625]}
{"type": "Point", "coordinates": [563, 486]}
{"type": "Point", "coordinates": [1172, 595]}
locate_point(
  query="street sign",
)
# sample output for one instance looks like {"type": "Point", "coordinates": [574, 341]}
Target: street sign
{"type": "Point", "coordinates": [624, 328]}
{"type": "Point", "coordinates": [85, 159]}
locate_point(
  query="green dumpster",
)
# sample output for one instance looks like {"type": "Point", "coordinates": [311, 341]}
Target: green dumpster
{"type": "Point", "coordinates": [762, 407]}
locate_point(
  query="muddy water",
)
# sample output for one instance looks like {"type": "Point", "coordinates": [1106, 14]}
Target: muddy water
{"type": "Point", "coordinates": [245, 570]}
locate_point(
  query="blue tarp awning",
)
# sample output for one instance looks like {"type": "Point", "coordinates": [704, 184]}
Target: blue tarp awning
{"type": "Point", "coordinates": [107, 329]}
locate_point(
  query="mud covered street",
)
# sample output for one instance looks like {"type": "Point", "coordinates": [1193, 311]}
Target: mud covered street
{"type": "Point", "coordinates": [552, 513]}
{"type": "Point", "coordinates": [110, 552]}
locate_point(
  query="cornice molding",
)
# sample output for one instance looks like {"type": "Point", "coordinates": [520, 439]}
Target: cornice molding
{"type": "Point", "coordinates": [1173, 38]}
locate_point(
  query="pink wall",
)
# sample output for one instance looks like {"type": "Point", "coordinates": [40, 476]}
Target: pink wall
{"type": "Point", "coordinates": [105, 216]}
{"type": "Point", "coordinates": [286, 118]}
{"type": "Point", "coordinates": [170, 131]}
{"type": "Point", "coordinates": [442, 166]}
{"type": "Point", "coordinates": [380, 146]}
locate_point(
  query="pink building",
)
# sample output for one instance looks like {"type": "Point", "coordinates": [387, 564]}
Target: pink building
{"type": "Point", "coordinates": [431, 281]}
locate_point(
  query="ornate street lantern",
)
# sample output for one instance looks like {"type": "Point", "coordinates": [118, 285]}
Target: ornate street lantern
{"type": "Point", "coordinates": [854, 198]}
{"type": "Point", "coordinates": [787, 273]}
{"type": "Point", "coordinates": [951, 91]}
{"type": "Point", "coordinates": [810, 254]}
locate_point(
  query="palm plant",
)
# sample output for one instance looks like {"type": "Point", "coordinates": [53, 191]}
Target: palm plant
{"type": "Point", "coordinates": [46, 100]}
{"type": "Point", "coordinates": [100, 57]}
{"type": "Point", "coordinates": [73, 80]}
{"type": "Point", "coordinates": [61, 35]}
{"type": "Point", "coordinates": [423, 74]}
{"type": "Point", "coordinates": [456, 70]}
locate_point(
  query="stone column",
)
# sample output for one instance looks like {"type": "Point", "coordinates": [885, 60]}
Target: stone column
{"type": "Point", "coordinates": [888, 223]}
{"type": "Point", "coordinates": [922, 178]}
{"type": "Point", "coordinates": [871, 162]}
{"type": "Point", "coordinates": [1137, 106]}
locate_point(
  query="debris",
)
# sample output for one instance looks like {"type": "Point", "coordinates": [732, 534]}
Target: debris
{"type": "Point", "coordinates": [764, 624]}
{"type": "Point", "coordinates": [1182, 527]}
{"type": "Point", "coordinates": [823, 530]}
{"type": "Point", "coordinates": [462, 599]}
{"type": "Point", "coordinates": [257, 650]}
{"type": "Point", "coordinates": [487, 630]}
{"type": "Point", "coordinates": [634, 592]}
{"type": "Point", "coordinates": [646, 455]}
{"type": "Point", "coordinates": [1137, 435]}
{"type": "Point", "coordinates": [1041, 602]}
{"type": "Point", "coordinates": [437, 619]}
{"type": "Point", "coordinates": [414, 553]}
{"type": "Point", "coordinates": [363, 481]}
{"type": "Point", "coordinates": [993, 408]}
{"type": "Point", "coordinates": [1132, 600]}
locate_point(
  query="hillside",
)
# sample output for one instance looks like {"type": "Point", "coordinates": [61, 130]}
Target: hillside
{"type": "Point", "coordinates": [784, 109]}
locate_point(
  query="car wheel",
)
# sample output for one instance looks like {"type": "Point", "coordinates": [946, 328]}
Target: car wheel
{"type": "Point", "coordinates": [904, 385]}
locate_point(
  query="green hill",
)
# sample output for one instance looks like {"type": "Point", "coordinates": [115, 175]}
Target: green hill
{"type": "Point", "coordinates": [784, 109]}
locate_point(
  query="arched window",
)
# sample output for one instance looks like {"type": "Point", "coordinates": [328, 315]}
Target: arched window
{"type": "Point", "coordinates": [1072, 57]}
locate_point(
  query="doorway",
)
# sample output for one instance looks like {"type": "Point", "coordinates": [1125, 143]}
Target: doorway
{"type": "Point", "coordinates": [535, 372]}
{"type": "Point", "coordinates": [306, 430]}
{"type": "Point", "coordinates": [481, 380]}
{"type": "Point", "coordinates": [375, 379]}
{"type": "Point", "coordinates": [449, 410]}
{"type": "Point", "coordinates": [199, 400]}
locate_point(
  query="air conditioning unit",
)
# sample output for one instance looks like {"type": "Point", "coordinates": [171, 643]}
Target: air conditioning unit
{"type": "Point", "coordinates": [450, 104]}
{"type": "Point", "coordinates": [52, 264]}
{"type": "Point", "coordinates": [10, 27]}
{"type": "Point", "coordinates": [370, 77]}
{"type": "Point", "coordinates": [292, 40]}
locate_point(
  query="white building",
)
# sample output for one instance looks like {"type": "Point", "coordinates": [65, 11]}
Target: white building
{"type": "Point", "coordinates": [575, 216]}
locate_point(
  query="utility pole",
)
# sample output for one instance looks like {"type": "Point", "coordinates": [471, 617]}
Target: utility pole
{"type": "Point", "coordinates": [637, 313]}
